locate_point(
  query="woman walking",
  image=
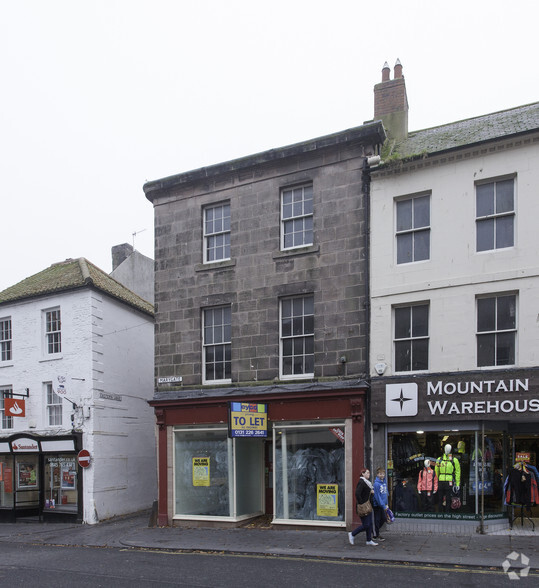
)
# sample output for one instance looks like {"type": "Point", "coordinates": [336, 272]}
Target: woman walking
{"type": "Point", "coordinates": [364, 493]}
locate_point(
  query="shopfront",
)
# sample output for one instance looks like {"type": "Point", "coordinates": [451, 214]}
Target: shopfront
{"type": "Point", "coordinates": [296, 465]}
{"type": "Point", "coordinates": [39, 478]}
{"type": "Point", "coordinates": [485, 425]}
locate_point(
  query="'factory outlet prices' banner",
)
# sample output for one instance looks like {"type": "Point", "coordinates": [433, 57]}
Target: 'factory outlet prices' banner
{"type": "Point", "coordinates": [490, 396]}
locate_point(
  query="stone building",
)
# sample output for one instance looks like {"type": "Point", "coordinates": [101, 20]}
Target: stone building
{"type": "Point", "coordinates": [261, 290]}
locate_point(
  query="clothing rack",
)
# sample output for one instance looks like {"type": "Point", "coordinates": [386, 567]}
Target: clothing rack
{"type": "Point", "coordinates": [521, 516]}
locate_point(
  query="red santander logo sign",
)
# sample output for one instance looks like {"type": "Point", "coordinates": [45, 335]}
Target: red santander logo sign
{"type": "Point", "coordinates": [14, 407]}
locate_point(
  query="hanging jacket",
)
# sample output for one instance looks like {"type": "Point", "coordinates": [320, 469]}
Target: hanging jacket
{"type": "Point", "coordinates": [448, 469]}
{"type": "Point", "coordinates": [427, 480]}
{"type": "Point", "coordinates": [534, 471]}
{"type": "Point", "coordinates": [521, 487]}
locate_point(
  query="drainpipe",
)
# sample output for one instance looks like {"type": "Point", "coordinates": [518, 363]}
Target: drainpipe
{"type": "Point", "coordinates": [482, 521]}
{"type": "Point", "coordinates": [366, 189]}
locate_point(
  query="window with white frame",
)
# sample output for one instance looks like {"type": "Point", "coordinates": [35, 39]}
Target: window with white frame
{"type": "Point", "coordinates": [411, 341]}
{"type": "Point", "coordinates": [297, 337]}
{"type": "Point", "coordinates": [217, 232]}
{"type": "Point", "coordinates": [53, 331]}
{"type": "Point", "coordinates": [413, 229]}
{"type": "Point", "coordinates": [217, 347]}
{"type": "Point", "coordinates": [496, 330]}
{"type": "Point", "coordinates": [296, 217]}
{"type": "Point", "coordinates": [495, 215]}
{"type": "Point", "coordinates": [5, 339]}
{"type": "Point", "coordinates": [54, 406]}
{"type": "Point", "coordinates": [7, 421]}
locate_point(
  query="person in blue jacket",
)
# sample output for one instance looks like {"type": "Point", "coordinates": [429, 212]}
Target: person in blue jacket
{"type": "Point", "coordinates": [379, 502]}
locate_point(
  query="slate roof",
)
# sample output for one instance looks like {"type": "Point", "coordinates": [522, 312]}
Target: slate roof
{"type": "Point", "coordinates": [498, 125]}
{"type": "Point", "coordinates": [73, 274]}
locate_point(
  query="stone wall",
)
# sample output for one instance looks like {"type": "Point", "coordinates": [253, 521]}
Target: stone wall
{"type": "Point", "coordinates": [259, 273]}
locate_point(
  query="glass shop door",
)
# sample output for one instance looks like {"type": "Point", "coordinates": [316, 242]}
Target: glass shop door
{"type": "Point", "coordinates": [26, 485]}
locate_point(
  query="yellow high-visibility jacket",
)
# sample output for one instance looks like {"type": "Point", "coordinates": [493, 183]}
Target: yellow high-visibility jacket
{"type": "Point", "coordinates": [448, 469]}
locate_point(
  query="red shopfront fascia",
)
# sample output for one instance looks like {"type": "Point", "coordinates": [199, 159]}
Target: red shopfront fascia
{"type": "Point", "coordinates": [344, 403]}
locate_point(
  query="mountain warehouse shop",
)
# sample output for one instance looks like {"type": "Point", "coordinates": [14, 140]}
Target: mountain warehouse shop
{"type": "Point", "coordinates": [459, 446]}
{"type": "Point", "coordinates": [291, 452]}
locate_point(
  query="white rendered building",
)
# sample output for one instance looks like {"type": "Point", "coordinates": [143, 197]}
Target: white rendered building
{"type": "Point", "coordinates": [454, 267]}
{"type": "Point", "coordinates": [76, 371]}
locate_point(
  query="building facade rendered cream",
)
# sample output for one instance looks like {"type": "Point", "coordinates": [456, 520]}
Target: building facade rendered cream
{"type": "Point", "coordinates": [76, 372]}
{"type": "Point", "coordinates": [454, 334]}
{"type": "Point", "coordinates": [260, 294]}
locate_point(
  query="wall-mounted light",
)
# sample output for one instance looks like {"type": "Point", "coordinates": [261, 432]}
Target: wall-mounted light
{"type": "Point", "coordinates": [380, 368]}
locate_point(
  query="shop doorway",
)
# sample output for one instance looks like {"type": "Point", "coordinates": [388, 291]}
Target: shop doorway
{"type": "Point", "coordinates": [27, 489]}
{"type": "Point", "coordinates": [268, 476]}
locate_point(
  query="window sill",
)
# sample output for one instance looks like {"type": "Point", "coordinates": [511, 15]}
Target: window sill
{"type": "Point", "coordinates": [296, 377]}
{"type": "Point", "coordinates": [51, 358]}
{"type": "Point", "coordinates": [201, 267]}
{"type": "Point", "coordinates": [4, 364]}
{"type": "Point", "coordinates": [495, 249]}
{"type": "Point", "coordinates": [298, 251]}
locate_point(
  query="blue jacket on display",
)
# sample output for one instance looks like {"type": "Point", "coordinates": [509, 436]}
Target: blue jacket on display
{"type": "Point", "coordinates": [380, 492]}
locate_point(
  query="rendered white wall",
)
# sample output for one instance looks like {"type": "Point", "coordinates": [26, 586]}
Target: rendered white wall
{"type": "Point", "coordinates": [30, 367]}
{"type": "Point", "coordinates": [455, 273]}
{"type": "Point", "coordinates": [123, 427]}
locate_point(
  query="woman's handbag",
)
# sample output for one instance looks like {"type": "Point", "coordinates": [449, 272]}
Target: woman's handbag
{"type": "Point", "coordinates": [364, 509]}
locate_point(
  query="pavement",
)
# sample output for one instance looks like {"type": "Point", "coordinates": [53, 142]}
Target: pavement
{"type": "Point", "coordinates": [417, 548]}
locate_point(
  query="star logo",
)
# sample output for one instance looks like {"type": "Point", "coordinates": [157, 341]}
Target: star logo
{"type": "Point", "coordinates": [401, 400]}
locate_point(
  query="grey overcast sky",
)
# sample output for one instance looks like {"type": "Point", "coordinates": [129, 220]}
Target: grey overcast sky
{"type": "Point", "coordinates": [100, 96]}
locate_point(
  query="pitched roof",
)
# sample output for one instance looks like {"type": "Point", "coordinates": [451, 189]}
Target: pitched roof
{"type": "Point", "coordinates": [497, 125]}
{"type": "Point", "coordinates": [73, 274]}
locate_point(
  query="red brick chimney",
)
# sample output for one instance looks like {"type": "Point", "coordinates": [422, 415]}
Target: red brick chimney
{"type": "Point", "coordinates": [391, 102]}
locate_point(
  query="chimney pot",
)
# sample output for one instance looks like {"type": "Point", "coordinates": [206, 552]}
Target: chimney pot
{"type": "Point", "coordinates": [385, 72]}
{"type": "Point", "coordinates": [398, 70]}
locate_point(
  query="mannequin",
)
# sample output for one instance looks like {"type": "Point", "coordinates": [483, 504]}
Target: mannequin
{"type": "Point", "coordinates": [427, 486]}
{"type": "Point", "coordinates": [448, 472]}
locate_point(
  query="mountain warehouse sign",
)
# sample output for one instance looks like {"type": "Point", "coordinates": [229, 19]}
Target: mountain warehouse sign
{"type": "Point", "coordinates": [508, 398]}
{"type": "Point", "coordinates": [487, 386]}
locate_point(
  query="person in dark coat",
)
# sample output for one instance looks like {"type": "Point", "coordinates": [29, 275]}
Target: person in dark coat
{"type": "Point", "coordinates": [364, 492]}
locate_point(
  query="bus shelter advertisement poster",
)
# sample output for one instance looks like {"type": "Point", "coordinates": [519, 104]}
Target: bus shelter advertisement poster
{"type": "Point", "coordinates": [248, 419]}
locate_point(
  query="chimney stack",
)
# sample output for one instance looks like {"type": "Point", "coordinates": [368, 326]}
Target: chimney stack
{"type": "Point", "coordinates": [120, 253]}
{"type": "Point", "coordinates": [391, 102]}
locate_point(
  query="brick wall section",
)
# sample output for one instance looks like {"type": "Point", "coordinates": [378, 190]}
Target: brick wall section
{"type": "Point", "coordinates": [259, 273]}
{"type": "Point", "coordinates": [390, 97]}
